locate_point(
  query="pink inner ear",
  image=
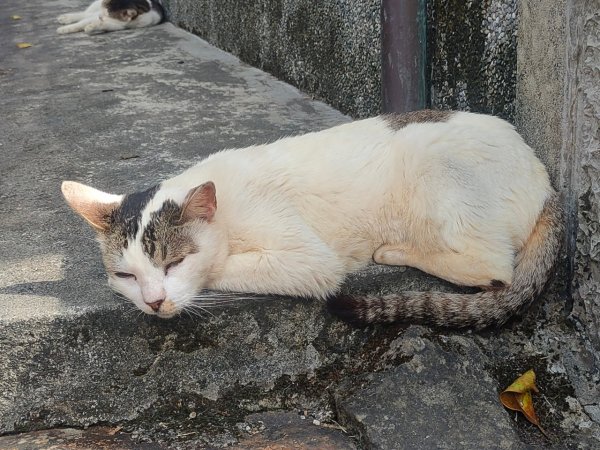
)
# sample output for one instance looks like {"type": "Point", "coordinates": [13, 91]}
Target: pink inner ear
{"type": "Point", "coordinates": [98, 215]}
{"type": "Point", "coordinates": [200, 203]}
{"type": "Point", "coordinates": [93, 205]}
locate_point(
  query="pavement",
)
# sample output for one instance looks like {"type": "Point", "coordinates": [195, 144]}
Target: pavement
{"type": "Point", "coordinates": [123, 110]}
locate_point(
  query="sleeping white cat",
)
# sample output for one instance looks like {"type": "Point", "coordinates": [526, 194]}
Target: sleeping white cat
{"type": "Point", "coordinates": [455, 194]}
{"type": "Point", "coordinates": [112, 15]}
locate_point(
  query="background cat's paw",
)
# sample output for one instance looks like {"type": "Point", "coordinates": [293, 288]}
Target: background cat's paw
{"type": "Point", "coordinates": [67, 29]}
{"type": "Point", "coordinates": [93, 28]}
{"type": "Point", "coordinates": [66, 18]}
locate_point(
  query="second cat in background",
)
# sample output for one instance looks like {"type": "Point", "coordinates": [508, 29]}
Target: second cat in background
{"type": "Point", "coordinates": [112, 15]}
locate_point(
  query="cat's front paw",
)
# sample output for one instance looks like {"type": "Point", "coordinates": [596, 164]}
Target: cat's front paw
{"type": "Point", "coordinates": [66, 19]}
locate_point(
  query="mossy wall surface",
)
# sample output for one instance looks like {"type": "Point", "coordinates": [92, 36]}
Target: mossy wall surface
{"type": "Point", "coordinates": [330, 49]}
{"type": "Point", "coordinates": [472, 55]}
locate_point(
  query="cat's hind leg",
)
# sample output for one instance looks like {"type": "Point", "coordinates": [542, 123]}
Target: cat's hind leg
{"type": "Point", "coordinates": [392, 255]}
{"type": "Point", "coordinates": [68, 18]}
{"type": "Point", "coordinates": [101, 26]}
{"type": "Point", "coordinates": [472, 268]}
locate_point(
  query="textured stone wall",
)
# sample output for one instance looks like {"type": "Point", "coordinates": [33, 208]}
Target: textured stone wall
{"type": "Point", "coordinates": [540, 99]}
{"type": "Point", "coordinates": [585, 116]}
{"type": "Point", "coordinates": [331, 49]}
{"type": "Point", "coordinates": [328, 48]}
{"type": "Point", "coordinates": [558, 111]}
{"type": "Point", "coordinates": [472, 55]}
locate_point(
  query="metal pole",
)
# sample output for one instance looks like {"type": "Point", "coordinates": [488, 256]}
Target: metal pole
{"type": "Point", "coordinates": [403, 29]}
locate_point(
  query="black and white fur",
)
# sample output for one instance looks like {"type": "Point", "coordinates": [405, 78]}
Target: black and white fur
{"type": "Point", "coordinates": [112, 15]}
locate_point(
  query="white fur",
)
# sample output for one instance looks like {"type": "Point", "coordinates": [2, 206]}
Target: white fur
{"type": "Point", "coordinates": [457, 199]}
{"type": "Point", "coordinates": [96, 19]}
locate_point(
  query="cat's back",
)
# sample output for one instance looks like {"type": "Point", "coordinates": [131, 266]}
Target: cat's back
{"type": "Point", "coordinates": [469, 146]}
{"type": "Point", "coordinates": [472, 168]}
{"type": "Point", "coordinates": [390, 145]}
{"type": "Point", "coordinates": [331, 155]}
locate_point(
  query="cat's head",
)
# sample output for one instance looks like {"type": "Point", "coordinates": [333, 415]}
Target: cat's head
{"type": "Point", "coordinates": [159, 246]}
{"type": "Point", "coordinates": [124, 10]}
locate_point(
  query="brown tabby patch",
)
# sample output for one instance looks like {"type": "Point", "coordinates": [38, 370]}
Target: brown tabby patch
{"type": "Point", "coordinates": [397, 121]}
{"type": "Point", "coordinates": [116, 8]}
{"type": "Point", "coordinates": [164, 238]}
{"type": "Point", "coordinates": [123, 226]}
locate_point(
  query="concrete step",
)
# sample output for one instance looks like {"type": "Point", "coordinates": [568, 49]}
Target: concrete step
{"type": "Point", "coordinates": [121, 111]}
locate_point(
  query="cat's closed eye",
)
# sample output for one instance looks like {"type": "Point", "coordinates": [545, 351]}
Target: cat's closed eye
{"type": "Point", "coordinates": [173, 264]}
{"type": "Point", "coordinates": [125, 275]}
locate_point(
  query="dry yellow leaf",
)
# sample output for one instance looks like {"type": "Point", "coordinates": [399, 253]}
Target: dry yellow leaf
{"type": "Point", "coordinates": [518, 397]}
{"type": "Point", "coordinates": [24, 45]}
{"type": "Point", "coordinates": [16, 17]}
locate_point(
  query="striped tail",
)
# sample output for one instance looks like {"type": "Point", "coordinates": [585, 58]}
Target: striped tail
{"type": "Point", "coordinates": [533, 266]}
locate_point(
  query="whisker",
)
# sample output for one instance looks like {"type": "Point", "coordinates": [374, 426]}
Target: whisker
{"type": "Point", "coordinates": [206, 311]}
{"type": "Point", "coordinates": [197, 308]}
{"type": "Point", "coordinates": [132, 311]}
{"type": "Point", "coordinates": [214, 306]}
{"type": "Point", "coordinates": [203, 297]}
{"type": "Point", "coordinates": [197, 311]}
{"type": "Point", "coordinates": [129, 307]}
{"type": "Point", "coordinates": [122, 297]}
{"type": "Point", "coordinates": [229, 295]}
{"type": "Point", "coordinates": [214, 302]}
{"type": "Point", "coordinates": [218, 299]}
{"type": "Point", "coordinates": [201, 312]}
{"type": "Point", "coordinates": [190, 315]}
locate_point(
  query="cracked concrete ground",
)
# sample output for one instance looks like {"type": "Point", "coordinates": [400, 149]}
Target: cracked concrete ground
{"type": "Point", "coordinates": [123, 110]}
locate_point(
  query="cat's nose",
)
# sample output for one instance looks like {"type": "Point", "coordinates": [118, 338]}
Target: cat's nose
{"type": "Point", "coordinates": [155, 305]}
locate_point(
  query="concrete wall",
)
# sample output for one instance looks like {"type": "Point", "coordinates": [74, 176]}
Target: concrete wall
{"type": "Point", "coordinates": [540, 100]}
{"type": "Point", "coordinates": [583, 166]}
{"type": "Point", "coordinates": [329, 48]}
{"type": "Point", "coordinates": [585, 116]}
{"type": "Point", "coordinates": [558, 112]}
{"type": "Point", "coordinates": [472, 55]}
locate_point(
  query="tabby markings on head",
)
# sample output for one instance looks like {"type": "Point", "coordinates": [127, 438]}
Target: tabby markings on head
{"type": "Point", "coordinates": [164, 238]}
{"type": "Point", "coordinates": [126, 219]}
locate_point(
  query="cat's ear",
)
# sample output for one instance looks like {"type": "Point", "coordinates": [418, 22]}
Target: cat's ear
{"type": "Point", "coordinates": [200, 203]}
{"type": "Point", "coordinates": [93, 205]}
{"type": "Point", "coordinates": [128, 14]}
